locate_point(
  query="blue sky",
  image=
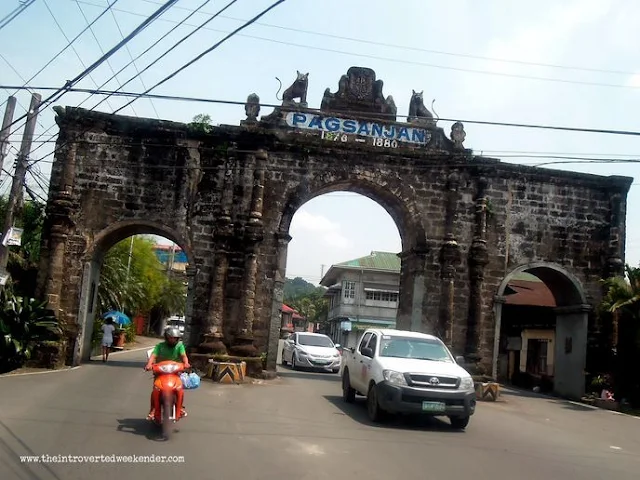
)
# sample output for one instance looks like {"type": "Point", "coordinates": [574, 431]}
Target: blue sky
{"type": "Point", "coordinates": [454, 51]}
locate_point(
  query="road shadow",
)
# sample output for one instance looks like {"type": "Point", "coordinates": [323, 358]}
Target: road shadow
{"type": "Point", "coordinates": [288, 372]}
{"type": "Point", "coordinates": [358, 412]}
{"type": "Point", "coordinates": [515, 392]}
{"type": "Point", "coordinates": [141, 427]}
{"type": "Point", "coordinates": [122, 363]}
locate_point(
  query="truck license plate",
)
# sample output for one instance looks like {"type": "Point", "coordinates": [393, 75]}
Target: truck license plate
{"type": "Point", "coordinates": [433, 407]}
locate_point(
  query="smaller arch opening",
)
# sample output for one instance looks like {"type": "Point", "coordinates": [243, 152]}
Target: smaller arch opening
{"type": "Point", "coordinates": [140, 270]}
{"type": "Point", "coordinates": [542, 319]}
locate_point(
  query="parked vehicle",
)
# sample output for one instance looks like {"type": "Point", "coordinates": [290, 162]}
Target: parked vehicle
{"type": "Point", "coordinates": [408, 372]}
{"type": "Point", "coordinates": [312, 351]}
{"type": "Point", "coordinates": [176, 322]}
{"type": "Point", "coordinates": [168, 395]}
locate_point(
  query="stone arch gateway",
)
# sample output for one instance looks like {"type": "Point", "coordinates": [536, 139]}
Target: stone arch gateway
{"type": "Point", "coordinates": [229, 193]}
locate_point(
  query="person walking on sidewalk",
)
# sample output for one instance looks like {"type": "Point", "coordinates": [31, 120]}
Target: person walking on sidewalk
{"type": "Point", "coordinates": [107, 338]}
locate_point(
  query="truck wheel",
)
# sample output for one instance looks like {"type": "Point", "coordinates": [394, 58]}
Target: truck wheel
{"type": "Point", "coordinates": [459, 423]}
{"type": "Point", "coordinates": [376, 414]}
{"type": "Point", "coordinates": [348, 393]}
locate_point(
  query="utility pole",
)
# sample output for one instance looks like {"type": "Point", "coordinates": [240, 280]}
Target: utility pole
{"type": "Point", "coordinates": [15, 197]}
{"type": "Point", "coordinates": [322, 271]}
{"type": "Point", "coordinates": [6, 129]}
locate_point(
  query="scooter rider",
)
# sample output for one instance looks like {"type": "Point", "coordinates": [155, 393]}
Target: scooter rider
{"type": "Point", "coordinates": [172, 349]}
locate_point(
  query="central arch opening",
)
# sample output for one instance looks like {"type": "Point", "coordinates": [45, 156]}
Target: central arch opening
{"type": "Point", "coordinates": [136, 274]}
{"type": "Point", "coordinates": [343, 262]}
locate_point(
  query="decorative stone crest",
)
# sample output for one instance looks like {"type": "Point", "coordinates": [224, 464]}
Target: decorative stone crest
{"type": "Point", "coordinates": [359, 91]}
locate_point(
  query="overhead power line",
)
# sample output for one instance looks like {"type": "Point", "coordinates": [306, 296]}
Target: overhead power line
{"type": "Point", "coordinates": [408, 62]}
{"type": "Point", "coordinates": [363, 115]}
{"type": "Point", "coordinates": [208, 50]}
{"type": "Point", "coordinates": [413, 48]}
{"type": "Point", "coordinates": [115, 19]}
{"type": "Point", "coordinates": [70, 83]}
{"type": "Point", "coordinates": [178, 43]}
{"type": "Point", "coordinates": [55, 20]}
{"type": "Point", "coordinates": [153, 44]}
{"type": "Point", "coordinates": [68, 45]}
{"type": "Point", "coordinates": [14, 14]}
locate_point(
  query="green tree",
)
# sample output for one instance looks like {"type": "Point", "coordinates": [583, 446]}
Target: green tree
{"type": "Point", "coordinates": [23, 260]}
{"type": "Point", "coordinates": [620, 310]}
{"type": "Point", "coordinates": [139, 284]}
{"type": "Point", "coordinates": [201, 123]}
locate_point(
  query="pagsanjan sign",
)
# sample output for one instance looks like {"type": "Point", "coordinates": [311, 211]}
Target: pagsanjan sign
{"type": "Point", "coordinates": [382, 134]}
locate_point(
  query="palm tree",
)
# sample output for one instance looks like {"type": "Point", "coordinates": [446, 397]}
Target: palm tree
{"type": "Point", "coordinates": [622, 296]}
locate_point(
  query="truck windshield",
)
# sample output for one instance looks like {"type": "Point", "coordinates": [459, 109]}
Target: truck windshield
{"type": "Point", "coordinates": [315, 341]}
{"type": "Point", "coordinates": [416, 348]}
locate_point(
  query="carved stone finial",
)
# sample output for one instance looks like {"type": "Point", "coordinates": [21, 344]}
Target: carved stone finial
{"type": "Point", "coordinates": [418, 113]}
{"type": "Point", "coordinates": [252, 109]}
{"type": "Point", "coordinates": [458, 135]}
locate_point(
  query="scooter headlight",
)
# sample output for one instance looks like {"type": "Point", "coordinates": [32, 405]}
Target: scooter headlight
{"type": "Point", "coordinates": [168, 368]}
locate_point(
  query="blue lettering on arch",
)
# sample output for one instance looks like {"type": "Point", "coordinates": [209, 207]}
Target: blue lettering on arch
{"type": "Point", "coordinates": [364, 129]}
{"type": "Point", "coordinates": [418, 136]}
{"type": "Point", "coordinates": [391, 133]}
{"type": "Point", "coordinates": [349, 126]}
{"type": "Point", "coordinates": [403, 134]}
{"type": "Point", "coordinates": [332, 124]}
{"type": "Point", "coordinates": [299, 118]}
{"type": "Point", "coordinates": [316, 123]}
{"type": "Point", "coordinates": [376, 130]}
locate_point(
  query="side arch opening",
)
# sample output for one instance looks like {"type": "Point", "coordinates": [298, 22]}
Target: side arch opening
{"type": "Point", "coordinates": [168, 281]}
{"type": "Point", "coordinates": [541, 329]}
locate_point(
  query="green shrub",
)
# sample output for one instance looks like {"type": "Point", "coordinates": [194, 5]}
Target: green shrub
{"type": "Point", "coordinates": [24, 324]}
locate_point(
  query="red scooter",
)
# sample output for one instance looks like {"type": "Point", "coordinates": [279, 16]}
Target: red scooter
{"type": "Point", "coordinates": [168, 395]}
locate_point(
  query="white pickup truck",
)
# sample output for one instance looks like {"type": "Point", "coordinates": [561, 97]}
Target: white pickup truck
{"type": "Point", "coordinates": [408, 372]}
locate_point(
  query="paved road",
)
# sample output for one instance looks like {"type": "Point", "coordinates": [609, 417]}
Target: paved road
{"type": "Point", "coordinates": [295, 428]}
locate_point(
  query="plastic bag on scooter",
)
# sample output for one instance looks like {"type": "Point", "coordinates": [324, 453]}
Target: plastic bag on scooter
{"type": "Point", "coordinates": [190, 380]}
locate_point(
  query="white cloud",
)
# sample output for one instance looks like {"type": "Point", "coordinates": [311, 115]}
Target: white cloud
{"type": "Point", "coordinates": [331, 234]}
{"type": "Point", "coordinates": [314, 223]}
{"type": "Point", "coordinates": [634, 81]}
{"type": "Point", "coordinates": [545, 39]}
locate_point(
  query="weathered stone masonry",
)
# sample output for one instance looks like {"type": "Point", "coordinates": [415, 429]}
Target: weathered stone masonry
{"type": "Point", "coordinates": [228, 197]}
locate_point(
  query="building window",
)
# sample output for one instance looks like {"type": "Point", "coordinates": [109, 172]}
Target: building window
{"type": "Point", "coordinates": [349, 289]}
{"type": "Point", "coordinates": [382, 296]}
{"type": "Point", "coordinates": [537, 352]}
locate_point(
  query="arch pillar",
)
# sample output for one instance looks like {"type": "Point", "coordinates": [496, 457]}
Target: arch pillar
{"type": "Point", "coordinates": [411, 315]}
{"type": "Point", "coordinates": [275, 324]}
{"type": "Point", "coordinates": [570, 353]}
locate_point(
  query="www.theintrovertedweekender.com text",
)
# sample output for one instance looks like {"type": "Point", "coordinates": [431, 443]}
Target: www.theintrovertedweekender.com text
{"type": "Point", "coordinates": [102, 458]}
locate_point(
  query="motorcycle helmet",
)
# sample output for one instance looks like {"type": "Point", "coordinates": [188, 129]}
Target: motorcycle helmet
{"type": "Point", "coordinates": [172, 335]}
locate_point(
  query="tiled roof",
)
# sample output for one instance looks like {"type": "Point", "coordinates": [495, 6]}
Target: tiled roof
{"type": "Point", "coordinates": [527, 292]}
{"type": "Point", "coordinates": [375, 261]}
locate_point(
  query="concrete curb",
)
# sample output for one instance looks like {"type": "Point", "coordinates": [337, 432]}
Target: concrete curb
{"type": "Point", "coordinates": [571, 402]}
{"type": "Point", "coordinates": [9, 375]}
{"type": "Point", "coordinates": [124, 351]}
